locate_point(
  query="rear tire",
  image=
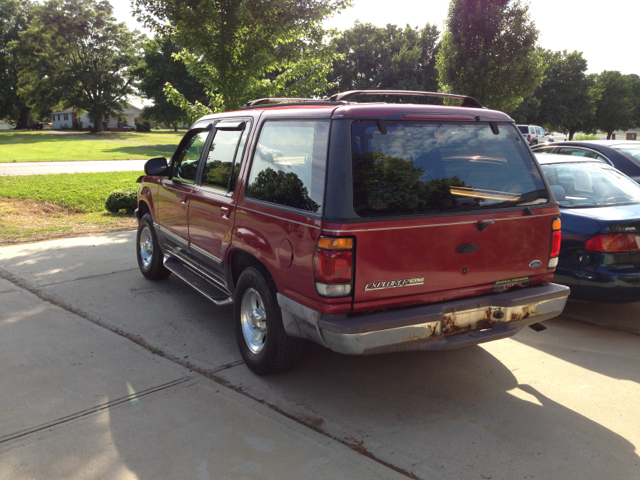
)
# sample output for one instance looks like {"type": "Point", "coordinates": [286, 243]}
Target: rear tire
{"type": "Point", "coordinates": [148, 250]}
{"type": "Point", "coordinates": [264, 345]}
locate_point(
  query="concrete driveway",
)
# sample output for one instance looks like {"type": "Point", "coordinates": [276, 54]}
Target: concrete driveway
{"type": "Point", "coordinates": [558, 404]}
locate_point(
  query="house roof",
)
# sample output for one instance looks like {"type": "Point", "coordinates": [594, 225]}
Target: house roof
{"type": "Point", "coordinates": [130, 110]}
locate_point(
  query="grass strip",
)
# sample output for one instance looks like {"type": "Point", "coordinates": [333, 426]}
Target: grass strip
{"type": "Point", "coordinates": [30, 146]}
{"type": "Point", "coordinates": [83, 192]}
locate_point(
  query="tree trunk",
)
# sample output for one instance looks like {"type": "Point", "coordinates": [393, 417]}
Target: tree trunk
{"type": "Point", "coordinates": [609, 135]}
{"type": "Point", "coordinates": [24, 118]}
{"type": "Point", "coordinates": [571, 133]}
{"type": "Point", "coordinates": [97, 124]}
{"type": "Point", "coordinates": [175, 128]}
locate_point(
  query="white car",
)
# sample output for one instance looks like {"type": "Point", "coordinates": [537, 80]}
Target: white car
{"type": "Point", "coordinates": [535, 134]}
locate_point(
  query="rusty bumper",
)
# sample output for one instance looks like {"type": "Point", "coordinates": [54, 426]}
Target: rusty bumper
{"type": "Point", "coordinates": [439, 326]}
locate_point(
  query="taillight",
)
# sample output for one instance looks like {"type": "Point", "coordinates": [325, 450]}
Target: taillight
{"type": "Point", "coordinates": [333, 266]}
{"type": "Point", "coordinates": [614, 243]}
{"type": "Point", "coordinates": [528, 138]}
{"type": "Point", "coordinates": [556, 240]}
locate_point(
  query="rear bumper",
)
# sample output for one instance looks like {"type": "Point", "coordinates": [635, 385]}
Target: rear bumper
{"type": "Point", "coordinates": [605, 284]}
{"type": "Point", "coordinates": [440, 326]}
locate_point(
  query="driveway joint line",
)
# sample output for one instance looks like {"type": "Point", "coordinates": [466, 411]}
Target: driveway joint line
{"type": "Point", "coordinates": [96, 409]}
{"type": "Point", "coordinates": [55, 300]}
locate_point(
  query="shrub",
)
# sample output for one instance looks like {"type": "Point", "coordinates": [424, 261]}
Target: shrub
{"type": "Point", "coordinates": [143, 126]}
{"type": "Point", "coordinates": [584, 136]}
{"type": "Point", "coordinates": [126, 200]}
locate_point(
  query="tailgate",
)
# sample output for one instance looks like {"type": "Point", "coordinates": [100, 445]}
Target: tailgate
{"type": "Point", "coordinates": [400, 261]}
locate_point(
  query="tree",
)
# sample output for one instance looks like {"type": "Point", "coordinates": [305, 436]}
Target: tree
{"type": "Point", "coordinates": [634, 86]}
{"type": "Point", "coordinates": [565, 102]}
{"type": "Point", "coordinates": [385, 58]}
{"type": "Point", "coordinates": [616, 106]}
{"type": "Point", "coordinates": [488, 51]}
{"type": "Point", "coordinates": [75, 54]}
{"type": "Point", "coordinates": [14, 18]}
{"type": "Point", "coordinates": [158, 67]}
{"type": "Point", "coordinates": [246, 49]}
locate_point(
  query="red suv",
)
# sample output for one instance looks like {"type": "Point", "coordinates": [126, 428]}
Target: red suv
{"type": "Point", "coordinates": [363, 227]}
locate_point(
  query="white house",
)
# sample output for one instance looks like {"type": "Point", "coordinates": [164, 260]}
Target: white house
{"type": "Point", "coordinates": [5, 125]}
{"type": "Point", "coordinates": [124, 121]}
{"type": "Point", "coordinates": [63, 118]}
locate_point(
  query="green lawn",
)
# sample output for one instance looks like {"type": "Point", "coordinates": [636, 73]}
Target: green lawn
{"type": "Point", "coordinates": [30, 146]}
{"type": "Point", "coordinates": [85, 192]}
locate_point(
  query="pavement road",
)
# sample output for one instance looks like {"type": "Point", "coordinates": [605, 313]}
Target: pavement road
{"type": "Point", "coordinates": [41, 168]}
{"type": "Point", "coordinates": [558, 404]}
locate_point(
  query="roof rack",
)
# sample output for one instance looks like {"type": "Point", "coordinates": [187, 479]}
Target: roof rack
{"type": "Point", "coordinates": [466, 100]}
{"type": "Point", "coordinates": [254, 103]}
{"type": "Point", "coordinates": [341, 98]}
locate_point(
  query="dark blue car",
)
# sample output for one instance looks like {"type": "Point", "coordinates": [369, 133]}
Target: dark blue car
{"type": "Point", "coordinates": [600, 250]}
{"type": "Point", "coordinates": [622, 154]}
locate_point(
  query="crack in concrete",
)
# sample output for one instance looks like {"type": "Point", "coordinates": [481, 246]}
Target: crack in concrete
{"type": "Point", "coordinates": [95, 409]}
{"type": "Point", "coordinates": [98, 275]}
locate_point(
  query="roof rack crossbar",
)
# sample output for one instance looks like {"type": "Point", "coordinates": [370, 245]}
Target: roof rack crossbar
{"type": "Point", "coordinates": [253, 103]}
{"type": "Point", "coordinates": [466, 100]}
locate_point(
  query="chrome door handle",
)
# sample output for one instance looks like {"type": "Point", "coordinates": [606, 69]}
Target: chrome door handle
{"type": "Point", "coordinates": [225, 212]}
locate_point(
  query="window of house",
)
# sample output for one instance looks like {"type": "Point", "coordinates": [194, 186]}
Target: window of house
{"type": "Point", "coordinates": [66, 116]}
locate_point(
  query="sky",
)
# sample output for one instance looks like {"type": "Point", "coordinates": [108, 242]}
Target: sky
{"type": "Point", "coordinates": [606, 35]}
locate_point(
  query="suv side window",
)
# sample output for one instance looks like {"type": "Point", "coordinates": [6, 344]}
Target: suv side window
{"type": "Point", "coordinates": [289, 164]}
{"type": "Point", "coordinates": [187, 159]}
{"type": "Point", "coordinates": [225, 150]}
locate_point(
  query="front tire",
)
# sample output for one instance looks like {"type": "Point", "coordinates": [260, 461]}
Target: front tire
{"type": "Point", "coordinates": [148, 250]}
{"type": "Point", "coordinates": [264, 345]}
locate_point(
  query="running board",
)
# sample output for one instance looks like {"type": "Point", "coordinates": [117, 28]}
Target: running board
{"type": "Point", "coordinates": [210, 290]}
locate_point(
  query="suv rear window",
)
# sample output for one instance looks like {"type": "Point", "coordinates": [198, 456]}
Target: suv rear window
{"type": "Point", "coordinates": [418, 168]}
{"type": "Point", "coordinates": [523, 128]}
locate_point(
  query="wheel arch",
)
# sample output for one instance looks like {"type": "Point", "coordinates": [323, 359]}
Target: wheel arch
{"type": "Point", "coordinates": [239, 260]}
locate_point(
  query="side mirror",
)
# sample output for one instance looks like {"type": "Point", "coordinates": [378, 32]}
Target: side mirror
{"type": "Point", "coordinates": [156, 166]}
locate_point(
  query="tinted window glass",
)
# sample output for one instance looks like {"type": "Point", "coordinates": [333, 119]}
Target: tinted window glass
{"type": "Point", "coordinates": [631, 151]}
{"type": "Point", "coordinates": [579, 152]}
{"type": "Point", "coordinates": [185, 162]}
{"type": "Point", "coordinates": [590, 185]}
{"type": "Point", "coordinates": [289, 164]}
{"type": "Point", "coordinates": [544, 150]}
{"type": "Point", "coordinates": [220, 160]}
{"type": "Point", "coordinates": [523, 128]}
{"type": "Point", "coordinates": [429, 168]}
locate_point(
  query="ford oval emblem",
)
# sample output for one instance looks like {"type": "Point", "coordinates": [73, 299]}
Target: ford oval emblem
{"type": "Point", "coordinates": [535, 264]}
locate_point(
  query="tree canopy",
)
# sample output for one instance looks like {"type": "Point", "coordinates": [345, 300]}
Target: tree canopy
{"type": "Point", "coordinates": [488, 51]}
{"type": "Point", "coordinates": [246, 49]}
{"type": "Point", "coordinates": [615, 109]}
{"type": "Point", "coordinates": [74, 53]}
{"type": "Point", "coordinates": [158, 67]}
{"type": "Point", "coordinates": [385, 58]}
{"type": "Point", "coordinates": [14, 18]}
{"type": "Point", "coordinates": [565, 102]}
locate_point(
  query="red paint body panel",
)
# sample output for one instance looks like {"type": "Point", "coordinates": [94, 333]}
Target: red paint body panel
{"type": "Point", "coordinates": [171, 207]}
{"type": "Point", "coordinates": [401, 249]}
{"type": "Point", "coordinates": [259, 230]}
{"type": "Point", "coordinates": [384, 110]}
{"type": "Point", "coordinates": [209, 229]}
